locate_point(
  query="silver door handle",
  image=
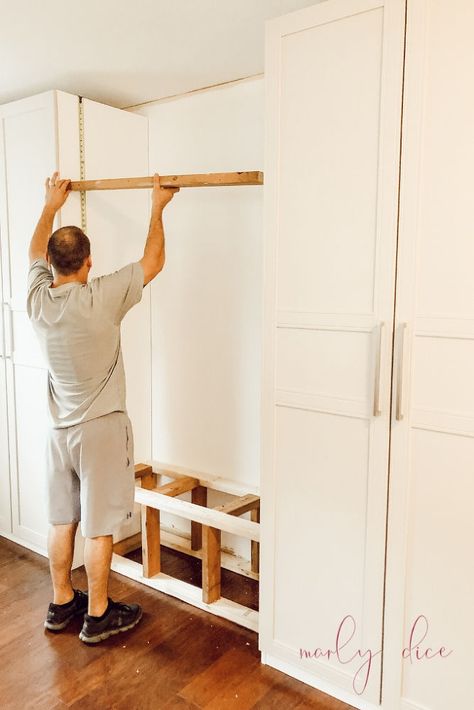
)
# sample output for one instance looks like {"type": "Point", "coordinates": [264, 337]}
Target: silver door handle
{"type": "Point", "coordinates": [378, 373]}
{"type": "Point", "coordinates": [400, 404]}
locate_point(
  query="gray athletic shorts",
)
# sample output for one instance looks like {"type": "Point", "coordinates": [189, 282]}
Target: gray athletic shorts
{"type": "Point", "coordinates": [91, 474]}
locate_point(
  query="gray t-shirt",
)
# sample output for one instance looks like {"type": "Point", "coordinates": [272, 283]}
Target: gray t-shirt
{"type": "Point", "coordinates": [78, 327]}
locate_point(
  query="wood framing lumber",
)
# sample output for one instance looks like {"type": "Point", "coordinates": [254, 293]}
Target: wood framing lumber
{"type": "Point", "coordinates": [182, 543]}
{"type": "Point", "coordinates": [211, 564]}
{"type": "Point", "coordinates": [142, 469]}
{"type": "Point", "coordinates": [128, 544]}
{"type": "Point", "coordinates": [206, 516]}
{"type": "Point", "coordinates": [198, 497]}
{"type": "Point", "coordinates": [255, 546]}
{"type": "Point", "coordinates": [248, 177]}
{"type": "Point", "coordinates": [175, 488]}
{"type": "Point", "coordinates": [150, 516]}
{"type": "Point", "coordinates": [239, 506]}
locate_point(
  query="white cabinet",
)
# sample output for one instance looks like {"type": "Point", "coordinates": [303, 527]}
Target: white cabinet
{"type": "Point", "coordinates": [334, 79]}
{"type": "Point", "coordinates": [368, 406]}
{"type": "Point", "coordinates": [41, 134]}
{"type": "Point", "coordinates": [29, 152]}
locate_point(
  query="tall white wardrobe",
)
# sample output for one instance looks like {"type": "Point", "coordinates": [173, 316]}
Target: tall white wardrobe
{"type": "Point", "coordinates": [368, 390]}
{"type": "Point", "coordinates": [37, 136]}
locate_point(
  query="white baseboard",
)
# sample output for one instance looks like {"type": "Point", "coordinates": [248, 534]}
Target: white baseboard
{"type": "Point", "coordinates": [294, 671]}
{"type": "Point", "coordinates": [410, 705]}
{"type": "Point", "coordinates": [23, 543]}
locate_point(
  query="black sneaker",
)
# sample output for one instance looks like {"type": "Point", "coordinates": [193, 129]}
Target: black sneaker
{"type": "Point", "coordinates": [59, 615]}
{"type": "Point", "coordinates": [118, 617]}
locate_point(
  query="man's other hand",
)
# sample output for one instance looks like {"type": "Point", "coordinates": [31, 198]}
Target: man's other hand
{"type": "Point", "coordinates": [57, 191]}
{"type": "Point", "coordinates": [161, 195]}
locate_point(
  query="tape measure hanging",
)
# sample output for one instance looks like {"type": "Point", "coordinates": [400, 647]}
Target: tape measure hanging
{"type": "Point", "coordinates": [82, 165]}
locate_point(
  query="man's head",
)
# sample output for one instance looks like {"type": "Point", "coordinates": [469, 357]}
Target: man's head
{"type": "Point", "coordinates": [69, 252]}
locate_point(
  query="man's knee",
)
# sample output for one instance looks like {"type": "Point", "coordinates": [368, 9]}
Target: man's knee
{"type": "Point", "coordinates": [100, 538]}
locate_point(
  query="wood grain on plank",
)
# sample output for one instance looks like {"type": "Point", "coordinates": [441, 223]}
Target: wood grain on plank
{"type": "Point", "coordinates": [248, 177]}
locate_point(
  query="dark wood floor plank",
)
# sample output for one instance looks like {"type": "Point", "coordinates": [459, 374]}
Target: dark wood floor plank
{"type": "Point", "coordinates": [220, 677]}
{"type": "Point", "coordinates": [243, 695]}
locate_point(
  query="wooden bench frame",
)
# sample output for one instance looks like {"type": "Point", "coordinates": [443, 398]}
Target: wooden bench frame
{"type": "Point", "coordinates": [207, 524]}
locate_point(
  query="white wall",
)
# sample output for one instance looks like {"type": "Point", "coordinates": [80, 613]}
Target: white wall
{"type": "Point", "coordinates": [206, 304]}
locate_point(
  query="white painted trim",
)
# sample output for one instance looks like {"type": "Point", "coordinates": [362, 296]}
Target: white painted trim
{"type": "Point", "coordinates": [78, 560]}
{"type": "Point", "coordinates": [211, 87]}
{"type": "Point", "coordinates": [282, 664]}
{"type": "Point", "coordinates": [410, 705]}
{"type": "Point", "coordinates": [346, 407]}
{"type": "Point", "coordinates": [24, 543]}
{"type": "Point", "coordinates": [225, 608]}
{"type": "Point", "coordinates": [329, 673]}
{"type": "Point", "coordinates": [338, 322]}
{"type": "Point", "coordinates": [324, 13]}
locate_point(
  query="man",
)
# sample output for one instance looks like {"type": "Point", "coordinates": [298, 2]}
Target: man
{"type": "Point", "coordinates": [89, 451]}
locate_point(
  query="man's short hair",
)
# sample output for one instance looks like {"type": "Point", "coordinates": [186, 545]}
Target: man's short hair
{"type": "Point", "coordinates": [68, 247]}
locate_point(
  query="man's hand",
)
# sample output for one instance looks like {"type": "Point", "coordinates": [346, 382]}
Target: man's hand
{"type": "Point", "coordinates": [56, 196]}
{"type": "Point", "coordinates": [161, 195]}
{"type": "Point", "coordinates": [56, 192]}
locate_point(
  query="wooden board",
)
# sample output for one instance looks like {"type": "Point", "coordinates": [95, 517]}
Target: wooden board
{"type": "Point", "coordinates": [142, 469]}
{"type": "Point", "coordinates": [198, 497]}
{"type": "Point", "coordinates": [150, 534]}
{"type": "Point", "coordinates": [239, 506]}
{"type": "Point", "coordinates": [211, 564]}
{"type": "Point", "coordinates": [205, 516]}
{"type": "Point", "coordinates": [249, 177]}
{"type": "Point", "coordinates": [176, 488]}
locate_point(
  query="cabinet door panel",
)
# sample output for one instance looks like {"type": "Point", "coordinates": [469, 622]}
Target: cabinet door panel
{"type": "Point", "coordinates": [431, 526]}
{"type": "Point", "coordinates": [29, 154]}
{"type": "Point", "coordinates": [33, 133]}
{"type": "Point", "coordinates": [333, 74]}
{"type": "Point", "coordinates": [27, 393]}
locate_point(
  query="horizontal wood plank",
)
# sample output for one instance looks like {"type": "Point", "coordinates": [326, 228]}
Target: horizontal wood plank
{"type": "Point", "coordinates": [128, 544]}
{"type": "Point", "coordinates": [175, 488]}
{"type": "Point", "coordinates": [249, 177]}
{"type": "Point", "coordinates": [239, 506]}
{"type": "Point", "coordinates": [206, 516]}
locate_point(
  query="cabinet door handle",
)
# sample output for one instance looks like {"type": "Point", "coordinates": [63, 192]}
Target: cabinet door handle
{"type": "Point", "coordinates": [400, 405]}
{"type": "Point", "coordinates": [378, 372]}
{"type": "Point", "coordinates": [9, 330]}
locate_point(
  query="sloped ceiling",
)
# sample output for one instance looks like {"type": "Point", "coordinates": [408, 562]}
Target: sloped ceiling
{"type": "Point", "coordinates": [124, 53]}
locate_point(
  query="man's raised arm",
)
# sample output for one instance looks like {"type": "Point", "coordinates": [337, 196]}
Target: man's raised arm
{"type": "Point", "coordinates": [153, 258]}
{"type": "Point", "coordinates": [56, 195]}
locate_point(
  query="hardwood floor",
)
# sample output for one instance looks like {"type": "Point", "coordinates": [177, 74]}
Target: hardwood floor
{"type": "Point", "coordinates": [178, 656]}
